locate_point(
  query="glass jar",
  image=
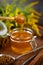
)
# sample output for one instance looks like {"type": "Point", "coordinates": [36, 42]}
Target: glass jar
{"type": "Point", "coordinates": [22, 41]}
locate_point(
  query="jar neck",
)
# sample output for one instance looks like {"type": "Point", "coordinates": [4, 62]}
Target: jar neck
{"type": "Point", "coordinates": [24, 35]}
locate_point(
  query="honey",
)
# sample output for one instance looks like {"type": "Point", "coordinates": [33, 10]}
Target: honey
{"type": "Point", "coordinates": [20, 19]}
{"type": "Point", "coordinates": [20, 41]}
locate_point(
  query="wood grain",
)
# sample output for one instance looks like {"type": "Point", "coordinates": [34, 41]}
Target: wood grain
{"type": "Point", "coordinates": [9, 51]}
{"type": "Point", "coordinates": [34, 61]}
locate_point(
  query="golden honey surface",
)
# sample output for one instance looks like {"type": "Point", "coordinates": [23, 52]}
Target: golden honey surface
{"type": "Point", "coordinates": [20, 42]}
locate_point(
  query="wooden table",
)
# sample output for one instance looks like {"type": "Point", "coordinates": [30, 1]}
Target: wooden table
{"type": "Point", "coordinates": [9, 51]}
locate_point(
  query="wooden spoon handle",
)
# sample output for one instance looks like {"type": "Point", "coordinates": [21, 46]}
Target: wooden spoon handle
{"type": "Point", "coordinates": [34, 61]}
{"type": "Point", "coordinates": [6, 18]}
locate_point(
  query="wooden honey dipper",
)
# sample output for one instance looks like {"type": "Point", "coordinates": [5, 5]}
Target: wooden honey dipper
{"type": "Point", "coordinates": [19, 18]}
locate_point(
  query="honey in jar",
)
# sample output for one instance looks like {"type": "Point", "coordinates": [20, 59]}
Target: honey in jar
{"type": "Point", "coordinates": [20, 40]}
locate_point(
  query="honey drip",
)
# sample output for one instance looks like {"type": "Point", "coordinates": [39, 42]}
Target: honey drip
{"type": "Point", "coordinates": [20, 39]}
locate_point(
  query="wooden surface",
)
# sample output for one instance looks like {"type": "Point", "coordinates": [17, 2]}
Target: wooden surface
{"type": "Point", "coordinates": [38, 61]}
{"type": "Point", "coordinates": [9, 51]}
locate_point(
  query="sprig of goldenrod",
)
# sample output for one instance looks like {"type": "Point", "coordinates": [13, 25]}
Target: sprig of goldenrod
{"type": "Point", "coordinates": [14, 9]}
{"type": "Point", "coordinates": [32, 20]}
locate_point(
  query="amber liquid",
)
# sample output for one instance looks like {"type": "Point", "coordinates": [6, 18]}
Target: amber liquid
{"type": "Point", "coordinates": [20, 42]}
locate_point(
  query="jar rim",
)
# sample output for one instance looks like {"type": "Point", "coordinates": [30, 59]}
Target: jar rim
{"type": "Point", "coordinates": [24, 29]}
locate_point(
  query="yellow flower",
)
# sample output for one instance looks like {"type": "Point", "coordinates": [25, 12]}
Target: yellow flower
{"type": "Point", "coordinates": [36, 29]}
{"type": "Point", "coordinates": [16, 11]}
{"type": "Point", "coordinates": [33, 3]}
{"type": "Point", "coordinates": [11, 15]}
{"type": "Point", "coordinates": [37, 13]}
{"type": "Point", "coordinates": [8, 8]}
{"type": "Point", "coordinates": [9, 24]}
{"type": "Point", "coordinates": [32, 20]}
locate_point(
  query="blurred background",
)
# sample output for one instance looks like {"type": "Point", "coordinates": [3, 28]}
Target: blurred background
{"type": "Point", "coordinates": [38, 7]}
